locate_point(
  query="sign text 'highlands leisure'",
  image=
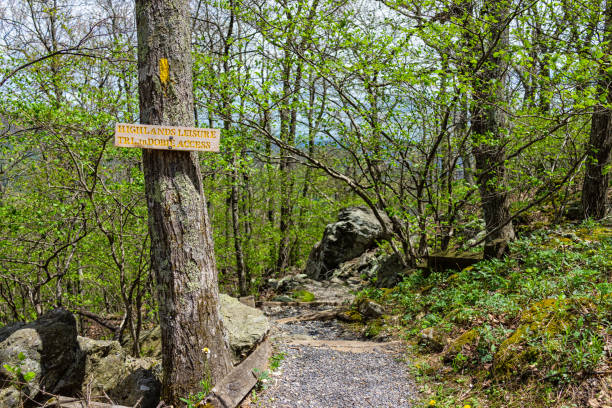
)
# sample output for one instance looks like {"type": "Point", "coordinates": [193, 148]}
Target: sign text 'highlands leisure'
{"type": "Point", "coordinates": [166, 137]}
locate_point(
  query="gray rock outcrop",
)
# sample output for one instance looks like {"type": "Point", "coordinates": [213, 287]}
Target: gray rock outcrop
{"type": "Point", "coordinates": [64, 364]}
{"type": "Point", "coordinates": [356, 231]}
{"type": "Point", "coordinates": [126, 380]}
{"type": "Point", "coordinates": [389, 272]}
{"type": "Point", "coordinates": [370, 309]}
{"type": "Point", "coordinates": [246, 328]}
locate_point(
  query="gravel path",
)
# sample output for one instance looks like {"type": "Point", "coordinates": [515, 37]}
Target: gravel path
{"type": "Point", "coordinates": [312, 377]}
{"type": "Point", "coordinates": [321, 377]}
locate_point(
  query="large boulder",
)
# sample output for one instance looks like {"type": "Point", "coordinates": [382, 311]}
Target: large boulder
{"type": "Point", "coordinates": [58, 362]}
{"type": "Point", "coordinates": [390, 272]}
{"type": "Point", "coordinates": [246, 327]}
{"type": "Point", "coordinates": [356, 231]}
{"type": "Point", "coordinates": [47, 348]}
{"type": "Point", "coordinates": [126, 380]}
{"type": "Point", "coordinates": [10, 397]}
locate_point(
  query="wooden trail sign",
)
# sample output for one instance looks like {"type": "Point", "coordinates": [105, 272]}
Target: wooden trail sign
{"type": "Point", "coordinates": [166, 137]}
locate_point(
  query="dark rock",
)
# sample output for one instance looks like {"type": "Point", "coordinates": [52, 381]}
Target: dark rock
{"type": "Point", "coordinates": [49, 349]}
{"type": "Point", "coordinates": [574, 211]}
{"type": "Point", "coordinates": [66, 365]}
{"type": "Point", "coordinates": [389, 272]}
{"type": "Point", "coordinates": [444, 261]}
{"type": "Point", "coordinates": [356, 231]}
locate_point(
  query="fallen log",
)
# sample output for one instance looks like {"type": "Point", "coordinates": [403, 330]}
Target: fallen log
{"type": "Point", "coordinates": [351, 346]}
{"type": "Point", "coordinates": [314, 303]}
{"type": "Point", "coordinates": [441, 261]}
{"type": "Point", "coordinates": [232, 389]}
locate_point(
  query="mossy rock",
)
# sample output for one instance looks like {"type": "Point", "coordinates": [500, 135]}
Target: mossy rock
{"type": "Point", "coordinates": [544, 319]}
{"type": "Point", "coordinates": [303, 296]}
{"type": "Point", "coordinates": [373, 329]}
{"type": "Point", "coordinates": [432, 339]}
{"type": "Point", "coordinates": [595, 234]}
{"type": "Point", "coordinates": [351, 316]}
{"type": "Point", "coordinates": [462, 350]}
{"type": "Point", "coordinates": [369, 309]}
{"type": "Point", "coordinates": [455, 276]}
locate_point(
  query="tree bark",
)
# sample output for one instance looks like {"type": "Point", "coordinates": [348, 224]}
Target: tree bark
{"type": "Point", "coordinates": [288, 119]}
{"type": "Point", "coordinates": [597, 175]}
{"type": "Point", "coordinates": [243, 283]}
{"type": "Point", "coordinates": [489, 131]}
{"type": "Point", "coordinates": [182, 257]}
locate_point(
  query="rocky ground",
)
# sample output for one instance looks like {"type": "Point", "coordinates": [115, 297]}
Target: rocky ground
{"type": "Point", "coordinates": [327, 365]}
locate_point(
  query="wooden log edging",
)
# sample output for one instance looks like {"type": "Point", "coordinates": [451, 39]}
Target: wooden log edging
{"type": "Point", "coordinates": [351, 346]}
{"type": "Point", "coordinates": [322, 316]}
{"type": "Point", "coordinates": [231, 390]}
{"type": "Point", "coordinates": [71, 402]}
{"type": "Point", "coordinates": [227, 393]}
{"type": "Point", "coordinates": [314, 303]}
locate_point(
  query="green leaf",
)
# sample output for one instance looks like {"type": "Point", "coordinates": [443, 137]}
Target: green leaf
{"type": "Point", "coordinates": [29, 376]}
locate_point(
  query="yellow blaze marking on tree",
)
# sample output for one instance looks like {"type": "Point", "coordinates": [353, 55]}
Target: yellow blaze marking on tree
{"type": "Point", "coordinates": [164, 70]}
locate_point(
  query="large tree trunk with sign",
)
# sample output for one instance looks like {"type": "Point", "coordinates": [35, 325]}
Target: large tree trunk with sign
{"type": "Point", "coordinates": [182, 256]}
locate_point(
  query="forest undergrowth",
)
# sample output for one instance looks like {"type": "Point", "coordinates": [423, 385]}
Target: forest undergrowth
{"type": "Point", "coordinates": [530, 330]}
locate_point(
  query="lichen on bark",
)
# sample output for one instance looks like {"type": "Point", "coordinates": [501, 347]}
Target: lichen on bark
{"type": "Point", "coordinates": [182, 257]}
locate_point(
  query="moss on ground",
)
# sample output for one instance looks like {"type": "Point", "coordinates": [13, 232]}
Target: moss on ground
{"type": "Point", "coordinates": [460, 352]}
{"type": "Point", "coordinates": [303, 296]}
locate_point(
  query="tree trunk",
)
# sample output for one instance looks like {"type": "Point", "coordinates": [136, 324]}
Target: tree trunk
{"type": "Point", "coordinates": [243, 284]}
{"type": "Point", "coordinates": [288, 119]}
{"type": "Point", "coordinates": [597, 175]}
{"type": "Point", "coordinates": [489, 131]}
{"type": "Point", "coordinates": [182, 257]}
